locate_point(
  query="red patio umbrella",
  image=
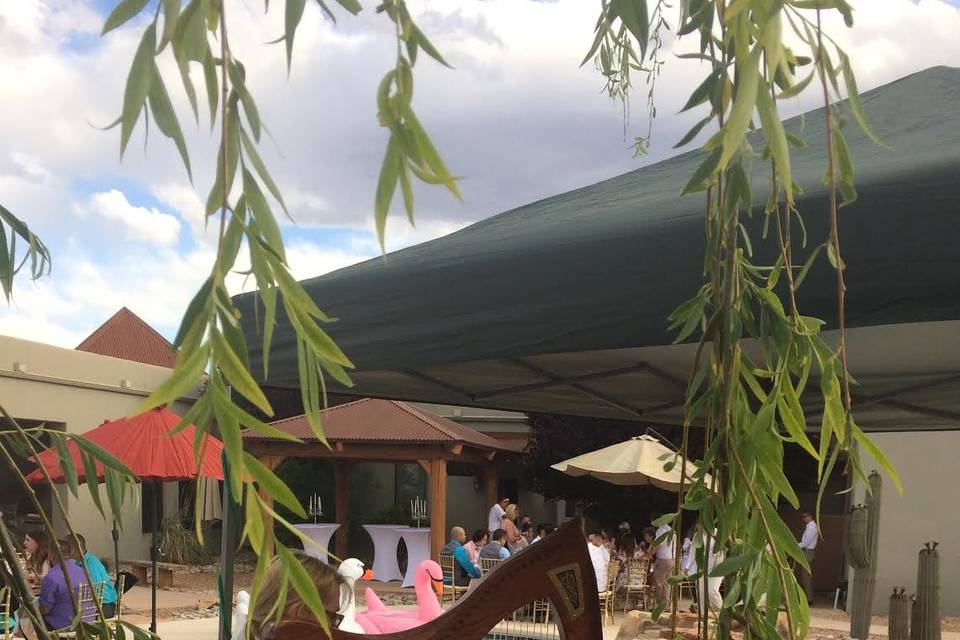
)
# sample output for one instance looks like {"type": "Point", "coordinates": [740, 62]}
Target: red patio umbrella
{"type": "Point", "coordinates": [142, 442]}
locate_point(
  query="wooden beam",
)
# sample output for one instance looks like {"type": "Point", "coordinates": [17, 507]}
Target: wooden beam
{"type": "Point", "coordinates": [488, 487]}
{"type": "Point", "coordinates": [351, 451]}
{"type": "Point", "coordinates": [438, 506]}
{"type": "Point", "coordinates": [457, 449]}
{"type": "Point", "coordinates": [341, 507]}
{"type": "Point", "coordinates": [425, 465]}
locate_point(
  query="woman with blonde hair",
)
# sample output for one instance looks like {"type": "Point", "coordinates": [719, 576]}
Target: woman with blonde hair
{"type": "Point", "coordinates": [515, 541]}
{"type": "Point", "coordinates": [264, 618]}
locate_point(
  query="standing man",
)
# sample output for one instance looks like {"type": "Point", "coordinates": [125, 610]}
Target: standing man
{"type": "Point", "coordinates": [495, 518]}
{"type": "Point", "coordinates": [808, 544]}
{"type": "Point", "coordinates": [600, 561]}
{"type": "Point", "coordinates": [663, 564]}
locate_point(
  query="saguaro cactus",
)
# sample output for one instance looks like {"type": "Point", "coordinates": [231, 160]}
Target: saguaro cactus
{"type": "Point", "coordinates": [898, 626]}
{"type": "Point", "coordinates": [927, 607]}
{"type": "Point", "coordinates": [862, 549]}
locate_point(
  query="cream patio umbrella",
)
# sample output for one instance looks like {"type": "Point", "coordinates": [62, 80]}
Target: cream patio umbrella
{"type": "Point", "coordinates": [638, 461]}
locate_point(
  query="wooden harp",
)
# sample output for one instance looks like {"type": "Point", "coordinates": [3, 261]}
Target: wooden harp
{"type": "Point", "coordinates": [556, 570]}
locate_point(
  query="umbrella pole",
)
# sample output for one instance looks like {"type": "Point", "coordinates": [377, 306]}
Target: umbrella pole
{"type": "Point", "coordinates": [115, 532]}
{"type": "Point", "coordinates": [154, 553]}
{"type": "Point", "coordinates": [231, 517]}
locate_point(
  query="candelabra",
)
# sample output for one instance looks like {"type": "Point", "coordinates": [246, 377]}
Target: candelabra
{"type": "Point", "coordinates": [418, 509]}
{"type": "Point", "coordinates": [315, 509]}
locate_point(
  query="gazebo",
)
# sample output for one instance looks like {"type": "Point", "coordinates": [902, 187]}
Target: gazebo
{"type": "Point", "coordinates": [370, 430]}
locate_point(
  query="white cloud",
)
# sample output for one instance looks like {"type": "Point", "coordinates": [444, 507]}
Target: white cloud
{"type": "Point", "coordinates": [139, 223]}
{"type": "Point", "coordinates": [185, 200]}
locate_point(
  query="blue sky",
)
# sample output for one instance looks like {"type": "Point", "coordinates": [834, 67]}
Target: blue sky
{"type": "Point", "coordinates": [517, 118]}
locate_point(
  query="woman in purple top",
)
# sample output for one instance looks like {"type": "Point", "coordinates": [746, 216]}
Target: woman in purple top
{"type": "Point", "coordinates": [56, 605]}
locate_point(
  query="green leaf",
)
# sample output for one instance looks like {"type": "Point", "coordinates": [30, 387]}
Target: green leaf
{"type": "Point", "coordinates": [251, 150]}
{"type": "Point", "coordinates": [782, 536]}
{"type": "Point", "coordinates": [353, 6]}
{"type": "Point", "coordinates": [101, 455]}
{"type": "Point", "coordinates": [702, 93]}
{"type": "Point", "coordinates": [704, 172]}
{"type": "Point", "coordinates": [407, 190]}
{"type": "Point", "coordinates": [292, 17]}
{"type": "Point", "coordinates": [853, 96]}
{"type": "Point", "coordinates": [260, 210]}
{"type": "Point", "coordinates": [304, 586]}
{"type": "Point", "coordinates": [272, 485]}
{"type": "Point", "coordinates": [871, 448]}
{"type": "Point", "coordinates": [427, 46]}
{"type": "Point", "coordinates": [171, 11]}
{"type": "Point", "coordinates": [238, 375]}
{"type": "Point", "coordinates": [92, 481]}
{"type": "Point", "coordinates": [114, 495]}
{"type": "Point", "coordinates": [690, 135]}
{"type": "Point", "coordinates": [212, 84]}
{"type": "Point", "coordinates": [138, 85]}
{"type": "Point", "coordinates": [66, 464]}
{"type": "Point", "coordinates": [386, 185]}
{"type": "Point", "coordinates": [238, 77]}
{"type": "Point", "coordinates": [776, 139]}
{"type": "Point", "coordinates": [735, 129]}
{"type": "Point", "coordinates": [732, 565]}
{"type": "Point", "coordinates": [165, 117]}
{"type": "Point", "coordinates": [184, 377]}
{"type": "Point", "coordinates": [123, 12]}
{"type": "Point", "coordinates": [192, 315]}
{"type": "Point", "coordinates": [319, 341]}
{"type": "Point", "coordinates": [844, 168]}
{"type": "Point", "coordinates": [229, 430]}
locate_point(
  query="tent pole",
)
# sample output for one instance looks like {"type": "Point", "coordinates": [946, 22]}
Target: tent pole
{"type": "Point", "coordinates": [231, 516]}
{"type": "Point", "coordinates": [154, 552]}
{"type": "Point", "coordinates": [115, 532]}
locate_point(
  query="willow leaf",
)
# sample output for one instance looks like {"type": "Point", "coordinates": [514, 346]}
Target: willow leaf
{"type": "Point", "coordinates": [138, 85]}
{"type": "Point", "coordinates": [122, 13]}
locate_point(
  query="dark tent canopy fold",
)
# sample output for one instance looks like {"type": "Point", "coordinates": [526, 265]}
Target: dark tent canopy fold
{"type": "Point", "coordinates": [560, 305]}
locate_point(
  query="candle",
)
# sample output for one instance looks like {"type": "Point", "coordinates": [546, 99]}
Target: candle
{"type": "Point", "coordinates": [319, 506]}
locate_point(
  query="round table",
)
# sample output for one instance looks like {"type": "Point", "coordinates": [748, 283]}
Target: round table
{"type": "Point", "coordinates": [321, 534]}
{"type": "Point", "coordinates": [418, 550]}
{"type": "Point", "coordinates": [385, 538]}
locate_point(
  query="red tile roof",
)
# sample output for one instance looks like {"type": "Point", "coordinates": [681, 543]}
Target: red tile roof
{"type": "Point", "coordinates": [126, 336]}
{"type": "Point", "coordinates": [387, 421]}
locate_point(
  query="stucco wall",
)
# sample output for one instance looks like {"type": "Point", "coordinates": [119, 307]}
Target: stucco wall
{"type": "Point", "coordinates": [927, 510]}
{"type": "Point", "coordinates": [79, 391]}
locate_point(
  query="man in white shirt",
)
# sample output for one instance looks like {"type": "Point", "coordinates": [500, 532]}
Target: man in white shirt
{"type": "Point", "coordinates": [495, 517]}
{"type": "Point", "coordinates": [808, 544]}
{"type": "Point", "coordinates": [715, 557]}
{"type": "Point", "coordinates": [663, 564]}
{"type": "Point", "coordinates": [601, 562]}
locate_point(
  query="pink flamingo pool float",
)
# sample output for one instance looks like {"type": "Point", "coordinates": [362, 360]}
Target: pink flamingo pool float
{"type": "Point", "coordinates": [378, 619]}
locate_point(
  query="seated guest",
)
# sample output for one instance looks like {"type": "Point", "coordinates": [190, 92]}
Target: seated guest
{"type": "Point", "coordinates": [56, 601]}
{"type": "Point", "coordinates": [463, 568]}
{"type": "Point", "coordinates": [541, 533]}
{"type": "Point", "coordinates": [477, 541]}
{"type": "Point", "coordinates": [649, 535]}
{"type": "Point", "coordinates": [600, 561]}
{"type": "Point", "coordinates": [264, 616]}
{"type": "Point", "coordinates": [526, 530]}
{"type": "Point", "coordinates": [36, 548]}
{"type": "Point", "coordinates": [99, 576]}
{"type": "Point", "coordinates": [496, 549]}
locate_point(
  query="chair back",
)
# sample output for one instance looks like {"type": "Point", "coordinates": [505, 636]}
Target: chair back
{"type": "Point", "coordinates": [5, 620]}
{"type": "Point", "coordinates": [612, 570]}
{"type": "Point", "coordinates": [88, 608]}
{"type": "Point", "coordinates": [121, 583]}
{"type": "Point", "coordinates": [638, 572]}
{"type": "Point", "coordinates": [489, 564]}
{"type": "Point", "coordinates": [446, 565]}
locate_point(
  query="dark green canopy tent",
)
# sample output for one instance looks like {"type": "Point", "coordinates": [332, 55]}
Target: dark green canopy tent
{"type": "Point", "coordinates": [560, 306]}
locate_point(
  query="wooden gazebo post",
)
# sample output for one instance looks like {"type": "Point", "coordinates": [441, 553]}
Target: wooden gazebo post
{"type": "Point", "coordinates": [341, 482]}
{"type": "Point", "coordinates": [438, 506]}
{"type": "Point", "coordinates": [488, 488]}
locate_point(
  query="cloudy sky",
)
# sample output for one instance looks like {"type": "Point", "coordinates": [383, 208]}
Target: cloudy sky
{"type": "Point", "coordinates": [516, 117]}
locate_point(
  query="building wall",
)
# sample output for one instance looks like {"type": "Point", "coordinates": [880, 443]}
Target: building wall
{"type": "Point", "coordinates": [78, 391]}
{"type": "Point", "coordinates": [926, 511]}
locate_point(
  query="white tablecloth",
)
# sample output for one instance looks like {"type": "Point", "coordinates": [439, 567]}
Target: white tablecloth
{"type": "Point", "coordinates": [385, 538]}
{"type": "Point", "coordinates": [418, 550]}
{"type": "Point", "coordinates": [321, 534]}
